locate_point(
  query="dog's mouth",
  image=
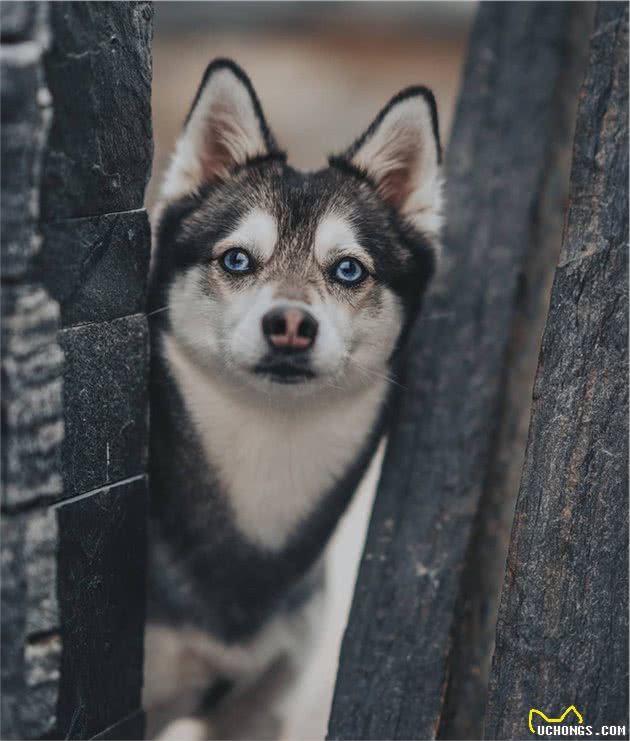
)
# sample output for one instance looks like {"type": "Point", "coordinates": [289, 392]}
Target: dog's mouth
{"type": "Point", "coordinates": [284, 371]}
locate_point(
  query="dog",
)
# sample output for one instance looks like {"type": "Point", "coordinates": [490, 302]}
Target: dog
{"type": "Point", "coordinates": [280, 302]}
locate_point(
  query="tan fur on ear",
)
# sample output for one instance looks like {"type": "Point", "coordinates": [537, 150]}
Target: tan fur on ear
{"type": "Point", "coordinates": [224, 129]}
{"type": "Point", "coordinates": [400, 153]}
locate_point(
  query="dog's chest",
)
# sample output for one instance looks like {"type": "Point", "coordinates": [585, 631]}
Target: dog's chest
{"type": "Point", "coordinates": [274, 465]}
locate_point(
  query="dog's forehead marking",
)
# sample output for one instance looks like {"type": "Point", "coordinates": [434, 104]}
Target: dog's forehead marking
{"type": "Point", "coordinates": [332, 233]}
{"type": "Point", "coordinates": [335, 236]}
{"type": "Point", "coordinates": [257, 231]}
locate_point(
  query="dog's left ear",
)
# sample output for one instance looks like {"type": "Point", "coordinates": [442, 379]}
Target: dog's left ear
{"type": "Point", "coordinates": [225, 129]}
{"type": "Point", "coordinates": [400, 153]}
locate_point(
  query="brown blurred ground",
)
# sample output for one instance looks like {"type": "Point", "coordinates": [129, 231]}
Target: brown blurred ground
{"type": "Point", "coordinates": [322, 72]}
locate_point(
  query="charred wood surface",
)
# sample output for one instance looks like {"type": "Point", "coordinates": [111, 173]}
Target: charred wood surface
{"type": "Point", "coordinates": [76, 155]}
{"type": "Point", "coordinates": [484, 569]}
{"type": "Point", "coordinates": [562, 634]}
{"type": "Point", "coordinates": [394, 663]}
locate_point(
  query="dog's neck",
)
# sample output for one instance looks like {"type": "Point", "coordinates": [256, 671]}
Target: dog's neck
{"type": "Point", "coordinates": [275, 463]}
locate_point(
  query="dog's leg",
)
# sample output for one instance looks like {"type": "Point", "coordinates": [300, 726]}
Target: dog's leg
{"type": "Point", "coordinates": [185, 729]}
{"type": "Point", "coordinates": [253, 710]}
{"type": "Point", "coordinates": [257, 709]}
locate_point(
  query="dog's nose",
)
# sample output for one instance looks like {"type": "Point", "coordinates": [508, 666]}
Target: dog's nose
{"type": "Point", "coordinates": [289, 328]}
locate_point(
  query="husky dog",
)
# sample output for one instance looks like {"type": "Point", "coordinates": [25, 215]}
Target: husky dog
{"type": "Point", "coordinates": [280, 305]}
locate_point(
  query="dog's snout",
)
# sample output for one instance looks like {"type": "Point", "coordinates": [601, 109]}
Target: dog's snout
{"type": "Point", "coordinates": [289, 328]}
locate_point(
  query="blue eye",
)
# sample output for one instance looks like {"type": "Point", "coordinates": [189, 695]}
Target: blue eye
{"type": "Point", "coordinates": [236, 261]}
{"type": "Point", "coordinates": [349, 271]}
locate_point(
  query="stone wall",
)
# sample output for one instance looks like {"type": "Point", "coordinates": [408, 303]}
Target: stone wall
{"type": "Point", "coordinates": [76, 156]}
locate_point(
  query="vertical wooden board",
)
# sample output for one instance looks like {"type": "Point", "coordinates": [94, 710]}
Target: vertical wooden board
{"type": "Point", "coordinates": [31, 644]}
{"type": "Point", "coordinates": [394, 658]}
{"type": "Point", "coordinates": [98, 70]}
{"type": "Point", "coordinates": [74, 403]}
{"type": "Point", "coordinates": [482, 581]}
{"type": "Point", "coordinates": [105, 403]}
{"type": "Point", "coordinates": [32, 397]}
{"type": "Point", "coordinates": [25, 113]}
{"type": "Point", "coordinates": [562, 633]}
{"type": "Point", "coordinates": [97, 267]}
{"type": "Point", "coordinates": [18, 20]}
{"type": "Point", "coordinates": [101, 585]}
{"type": "Point", "coordinates": [32, 406]}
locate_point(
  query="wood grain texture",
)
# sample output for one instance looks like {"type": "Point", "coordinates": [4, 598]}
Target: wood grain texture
{"type": "Point", "coordinates": [32, 393]}
{"type": "Point", "coordinates": [74, 400]}
{"type": "Point", "coordinates": [98, 71]}
{"type": "Point", "coordinates": [482, 581]}
{"type": "Point", "coordinates": [102, 566]}
{"type": "Point", "coordinates": [562, 634]}
{"type": "Point", "coordinates": [394, 661]}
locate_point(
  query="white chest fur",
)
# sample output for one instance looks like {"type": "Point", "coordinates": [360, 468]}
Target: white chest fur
{"type": "Point", "coordinates": [274, 464]}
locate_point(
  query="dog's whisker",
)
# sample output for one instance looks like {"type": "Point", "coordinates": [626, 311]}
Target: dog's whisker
{"type": "Point", "coordinates": [157, 311]}
{"type": "Point", "coordinates": [376, 374]}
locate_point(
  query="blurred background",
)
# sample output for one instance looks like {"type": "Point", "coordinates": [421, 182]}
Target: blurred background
{"type": "Point", "coordinates": [322, 72]}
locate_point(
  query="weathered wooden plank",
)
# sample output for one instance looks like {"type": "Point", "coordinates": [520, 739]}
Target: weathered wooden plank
{"type": "Point", "coordinates": [105, 402]}
{"type": "Point", "coordinates": [74, 402]}
{"type": "Point", "coordinates": [31, 646]}
{"type": "Point", "coordinates": [97, 267]}
{"type": "Point", "coordinates": [394, 659]}
{"type": "Point", "coordinates": [98, 71]}
{"type": "Point", "coordinates": [482, 581]}
{"type": "Point", "coordinates": [32, 407]}
{"type": "Point", "coordinates": [26, 114]}
{"type": "Point", "coordinates": [20, 20]}
{"type": "Point", "coordinates": [102, 567]}
{"type": "Point", "coordinates": [562, 634]}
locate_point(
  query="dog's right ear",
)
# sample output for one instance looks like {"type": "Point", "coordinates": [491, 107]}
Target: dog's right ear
{"type": "Point", "coordinates": [400, 153]}
{"type": "Point", "coordinates": [225, 129]}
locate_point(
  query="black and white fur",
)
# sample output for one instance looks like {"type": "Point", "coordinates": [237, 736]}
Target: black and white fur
{"type": "Point", "coordinates": [249, 474]}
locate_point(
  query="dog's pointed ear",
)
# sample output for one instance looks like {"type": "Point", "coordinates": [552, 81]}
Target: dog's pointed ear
{"type": "Point", "coordinates": [224, 129]}
{"type": "Point", "coordinates": [400, 153]}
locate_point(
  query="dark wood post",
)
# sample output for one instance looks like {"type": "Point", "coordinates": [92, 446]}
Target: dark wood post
{"type": "Point", "coordinates": [32, 401]}
{"type": "Point", "coordinates": [76, 155]}
{"type": "Point", "coordinates": [562, 634]}
{"type": "Point", "coordinates": [504, 177]}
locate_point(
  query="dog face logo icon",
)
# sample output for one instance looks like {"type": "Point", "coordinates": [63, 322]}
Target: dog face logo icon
{"type": "Point", "coordinates": [570, 709]}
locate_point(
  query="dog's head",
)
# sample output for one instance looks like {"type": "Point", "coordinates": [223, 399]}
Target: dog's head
{"type": "Point", "coordinates": [273, 276]}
